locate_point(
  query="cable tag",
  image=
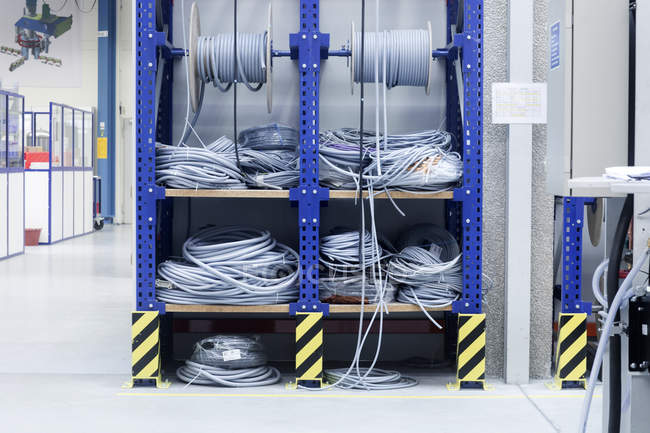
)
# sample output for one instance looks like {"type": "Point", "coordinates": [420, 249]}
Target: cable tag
{"type": "Point", "coordinates": [231, 355]}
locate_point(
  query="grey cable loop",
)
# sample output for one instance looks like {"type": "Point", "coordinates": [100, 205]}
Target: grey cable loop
{"type": "Point", "coordinates": [228, 360]}
{"type": "Point", "coordinates": [425, 279]}
{"type": "Point", "coordinates": [420, 161]}
{"type": "Point", "coordinates": [407, 57]}
{"type": "Point", "coordinates": [215, 60]}
{"type": "Point", "coordinates": [231, 266]}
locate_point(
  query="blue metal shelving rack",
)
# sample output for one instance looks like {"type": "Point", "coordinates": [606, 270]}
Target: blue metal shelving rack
{"type": "Point", "coordinates": [309, 47]}
{"type": "Point", "coordinates": [571, 353]}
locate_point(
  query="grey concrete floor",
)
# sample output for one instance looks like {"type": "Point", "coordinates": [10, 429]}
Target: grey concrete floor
{"type": "Point", "coordinates": [64, 330]}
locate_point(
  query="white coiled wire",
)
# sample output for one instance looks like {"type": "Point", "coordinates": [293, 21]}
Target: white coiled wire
{"type": "Point", "coordinates": [230, 266]}
{"type": "Point", "coordinates": [210, 167]}
{"type": "Point", "coordinates": [407, 57]}
{"type": "Point", "coordinates": [425, 279]}
{"type": "Point", "coordinates": [421, 161]}
{"type": "Point", "coordinates": [216, 64]}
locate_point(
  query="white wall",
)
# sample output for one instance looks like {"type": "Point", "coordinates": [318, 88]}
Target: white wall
{"type": "Point", "coordinates": [124, 153]}
{"type": "Point", "coordinates": [85, 95]}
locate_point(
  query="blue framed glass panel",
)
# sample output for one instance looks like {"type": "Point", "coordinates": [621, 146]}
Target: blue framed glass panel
{"type": "Point", "coordinates": [56, 134]}
{"type": "Point", "coordinates": [15, 136]}
{"type": "Point", "coordinates": [78, 138]}
{"type": "Point", "coordinates": [29, 130]}
{"type": "Point", "coordinates": [88, 140]}
{"type": "Point", "coordinates": [3, 131]}
{"type": "Point", "coordinates": [68, 136]}
{"type": "Point", "coordinates": [42, 132]}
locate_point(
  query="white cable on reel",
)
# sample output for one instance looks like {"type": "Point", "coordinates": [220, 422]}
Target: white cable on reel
{"type": "Point", "coordinates": [212, 58]}
{"type": "Point", "coordinates": [404, 55]}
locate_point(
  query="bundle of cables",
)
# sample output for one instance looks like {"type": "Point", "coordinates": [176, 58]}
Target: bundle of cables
{"type": "Point", "coordinates": [422, 161]}
{"type": "Point", "coordinates": [211, 167]}
{"type": "Point", "coordinates": [269, 156]}
{"type": "Point", "coordinates": [342, 284]}
{"type": "Point", "coordinates": [424, 278]}
{"type": "Point", "coordinates": [231, 266]}
{"type": "Point", "coordinates": [228, 360]}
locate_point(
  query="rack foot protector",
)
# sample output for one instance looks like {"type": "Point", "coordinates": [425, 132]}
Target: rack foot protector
{"type": "Point", "coordinates": [145, 354]}
{"type": "Point", "coordinates": [470, 353]}
{"type": "Point", "coordinates": [309, 349]}
{"type": "Point", "coordinates": [571, 355]}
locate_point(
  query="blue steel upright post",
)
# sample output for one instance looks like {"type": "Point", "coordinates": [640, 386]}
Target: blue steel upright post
{"type": "Point", "coordinates": [145, 331]}
{"type": "Point", "coordinates": [309, 46]}
{"type": "Point", "coordinates": [571, 351]}
{"type": "Point", "coordinates": [470, 351]}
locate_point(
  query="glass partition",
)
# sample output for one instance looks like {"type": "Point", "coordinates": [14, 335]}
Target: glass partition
{"type": "Point", "coordinates": [57, 135]}
{"type": "Point", "coordinates": [78, 138]}
{"type": "Point", "coordinates": [67, 137]}
{"type": "Point", "coordinates": [3, 131]}
{"type": "Point", "coordinates": [15, 132]}
{"type": "Point", "coordinates": [42, 132]}
{"type": "Point", "coordinates": [88, 140]}
{"type": "Point", "coordinates": [29, 131]}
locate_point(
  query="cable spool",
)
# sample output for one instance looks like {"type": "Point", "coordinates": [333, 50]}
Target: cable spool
{"type": "Point", "coordinates": [212, 60]}
{"type": "Point", "coordinates": [408, 57]}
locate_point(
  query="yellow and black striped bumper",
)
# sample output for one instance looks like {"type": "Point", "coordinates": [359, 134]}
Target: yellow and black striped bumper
{"type": "Point", "coordinates": [470, 353]}
{"type": "Point", "coordinates": [145, 349]}
{"type": "Point", "coordinates": [571, 355]}
{"type": "Point", "coordinates": [309, 349]}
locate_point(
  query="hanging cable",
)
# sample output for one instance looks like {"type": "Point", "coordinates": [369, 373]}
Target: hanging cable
{"type": "Point", "coordinates": [623, 294]}
{"type": "Point", "coordinates": [60, 8]}
{"type": "Point", "coordinates": [84, 11]}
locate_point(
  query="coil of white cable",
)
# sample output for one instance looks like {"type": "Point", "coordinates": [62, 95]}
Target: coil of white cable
{"type": "Point", "coordinates": [212, 59]}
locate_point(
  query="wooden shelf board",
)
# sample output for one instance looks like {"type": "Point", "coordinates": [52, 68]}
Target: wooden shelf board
{"type": "Point", "coordinates": [277, 193]}
{"type": "Point", "coordinates": [284, 308]}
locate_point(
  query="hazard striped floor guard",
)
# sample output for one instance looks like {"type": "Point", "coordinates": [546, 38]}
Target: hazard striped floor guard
{"type": "Point", "coordinates": [145, 350]}
{"type": "Point", "coordinates": [309, 349]}
{"type": "Point", "coordinates": [470, 353]}
{"type": "Point", "coordinates": [571, 355]}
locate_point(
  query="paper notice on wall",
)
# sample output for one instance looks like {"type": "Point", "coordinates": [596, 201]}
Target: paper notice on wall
{"type": "Point", "coordinates": [43, 47]}
{"type": "Point", "coordinates": [514, 103]}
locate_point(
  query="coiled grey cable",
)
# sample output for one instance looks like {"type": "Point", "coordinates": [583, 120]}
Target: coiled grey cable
{"type": "Point", "coordinates": [269, 156]}
{"type": "Point", "coordinates": [212, 167]}
{"type": "Point", "coordinates": [215, 60]}
{"type": "Point", "coordinates": [373, 379]}
{"type": "Point", "coordinates": [425, 279]}
{"type": "Point", "coordinates": [230, 266]}
{"type": "Point", "coordinates": [407, 54]}
{"type": "Point", "coordinates": [421, 161]}
{"type": "Point", "coordinates": [228, 360]}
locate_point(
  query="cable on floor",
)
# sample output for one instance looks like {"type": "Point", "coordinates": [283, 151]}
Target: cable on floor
{"type": "Point", "coordinates": [228, 360]}
{"type": "Point", "coordinates": [230, 266]}
{"type": "Point", "coordinates": [373, 380]}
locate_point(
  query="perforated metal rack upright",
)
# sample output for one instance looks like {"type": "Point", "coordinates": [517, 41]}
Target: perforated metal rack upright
{"type": "Point", "coordinates": [309, 47]}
